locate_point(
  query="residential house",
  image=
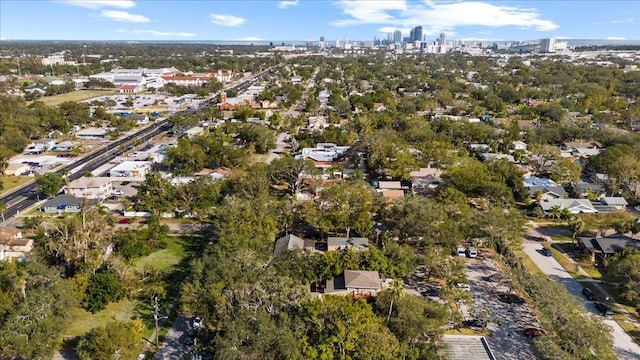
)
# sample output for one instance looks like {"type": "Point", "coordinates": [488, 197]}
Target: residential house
{"type": "Point", "coordinates": [90, 188]}
{"type": "Point", "coordinates": [342, 243]}
{"type": "Point", "coordinates": [17, 169]}
{"type": "Point", "coordinates": [602, 248]}
{"type": "Point", "coordinates": [194, 131]}
{"type": "Point", "coordinates": [296, 79]}
{"type": "Point", "coordinates": [354, 282]}
{"type": "Point", "coordinates": [575, 206]}
{"type": "Point", "coordinates": [291, 242]}
{"type": "Point", "coordinates": [425, 181]}
{"type": "Point", "coordinates": [389, 185]}
{"type": "Point", "coordinates": [12, 244]}
{"type": "Point", "coordinates": [546, 192]}
{"type": "Point", "coordinates": [599, 178]}
{"type": "Point", "coordinates": [65, 203]}
{"type": "Point", "coordinates": [491, 156]}
{"type": "Point", "coordinates": [518, 145]}
{"type": "Point", "coordinates": [584, 190]}
{"type": "Point", "coordinates": [324, 154]}
{"type": "Point", "coordinates": [391, 195]}
{"type": "Point", "coordinates": [618, 203]}
{"type": "Point", "coordinates": [317, 123]}
{"type": "Point", "coordinates": [479, 147]}
{"type": "Point", "coordinates": [581, 145]}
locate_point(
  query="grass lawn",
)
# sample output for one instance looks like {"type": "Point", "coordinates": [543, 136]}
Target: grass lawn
{"type": "Point", "coordinates": [74, 96]}
{"type": "Point", "coordinates": [84, 321]}
{"type": "Point", "coordinates": [529, 264]}
{"type": "Point", "coordinates": [10, 182]}
{"type": "Point", "coordinates": [164, 258]}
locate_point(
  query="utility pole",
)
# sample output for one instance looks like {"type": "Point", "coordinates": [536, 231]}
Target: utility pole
{"type": "Point", "coordinates": [155, 316]}
{"type": "Point", "coordinates": [19, 72]}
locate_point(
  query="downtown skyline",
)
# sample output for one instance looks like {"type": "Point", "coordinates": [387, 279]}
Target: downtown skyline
{"type": "Point", "coordinates": [148, 20]}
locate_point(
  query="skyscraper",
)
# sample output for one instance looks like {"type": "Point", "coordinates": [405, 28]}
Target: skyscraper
{"type": "Point", "coordinates": [397, 36]}
{"type": "Point", "coordinates": [412, 35]}
{"type": "Point", "coordinates": [441, 39]}
{"type": "Point", "coordinates": [417, 34]}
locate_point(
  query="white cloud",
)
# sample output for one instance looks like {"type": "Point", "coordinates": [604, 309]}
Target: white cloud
{"type": "Point", "coordinates": [158, 33]}
{"type": "Point", "coordinates": [435, 17]}
{"type": "Point", "coordinates": [249, 38]}
{"type": "Point", "coordinates": [369, 12]}
{"type": "Point", "coordinates": [615, 38]}
{"type": "Point", "coordinates": [123, 16]}
{"type": "Point", "coordinates": [287, 3]}
{"type": "Point", "coordinates": [97, 4]}
{"type": "Point", "coordinates": [391, 29]}
{"type": "Point", "coordinates": [227, 20]}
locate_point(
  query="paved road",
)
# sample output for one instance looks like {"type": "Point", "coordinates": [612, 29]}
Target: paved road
{"type": "Point", "coordinates": [506, 321]}
{"type": "Point", "coordinates": [624, 346]}
{"type": "Point", "coordinates": [280, 146]}
{"type": "Point", "coordinates": [175, 343]}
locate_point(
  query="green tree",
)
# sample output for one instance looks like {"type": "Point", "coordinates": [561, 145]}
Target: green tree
{"type": "Point", "coordinates": [104, 287]}
{"type": "Point", "coordinates": [565, 171]}
{"type": "Point", "coordinates": [576, 225]}
{"type": "Point", "coordinates": [115, 340]}
{"type": "Point", "coordinates": [50, 183]}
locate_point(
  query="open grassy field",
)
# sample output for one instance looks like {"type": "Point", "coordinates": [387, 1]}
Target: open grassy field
{"type": "Point", "coordinates": [74, 96]}
{"type": "Point", "coordinates": [164, 258]}
{"type": "Point", "coordinates": [84, 321]}
{"type": "Point", "coordinates": [10, 182]}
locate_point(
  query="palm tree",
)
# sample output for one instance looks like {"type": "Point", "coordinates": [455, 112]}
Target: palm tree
{"type": "Point", "coordinates": [397, 291]}
{"type": "Point", "coordinates": [577, 225]}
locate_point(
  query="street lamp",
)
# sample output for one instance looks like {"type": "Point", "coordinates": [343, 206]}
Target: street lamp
{"type": "Point", "coordinates": [156, 318]}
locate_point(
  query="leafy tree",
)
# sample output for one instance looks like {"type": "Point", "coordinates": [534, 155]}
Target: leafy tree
{"type": "Point", "coordinates": [576, 225]}
{"type": "Point", "coordinates": [565, 171]}
{"type": "Point", "coordinates": [104, 287]}
{"type": "Point", "coordinates": [417, 324]}
{"type": "Point", "coordinates": [34, 307]}
{"type": "Point", "coordinates": [294, 175]}
{"type": "Point", "coordinates": [49, 183]}
{"type": "Point", "coordinates": [114, 340]}
{"type": "Point", "coordinates": [345, 206]}
{"type": "Point", "coordinates": [338, 327]}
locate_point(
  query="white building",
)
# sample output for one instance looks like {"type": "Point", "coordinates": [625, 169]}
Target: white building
{"type": "Point", "coordinates": [92, 133]}
{"type": "Point", "coordinates": [90, 188]}
{"type": "Point", "coordinates": [130, 170]}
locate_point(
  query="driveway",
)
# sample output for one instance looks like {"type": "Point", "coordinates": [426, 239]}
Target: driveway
{"type": "Point", "coordinates": [506, 321]}
{"type": "Point", "coordinates": [624, 346]}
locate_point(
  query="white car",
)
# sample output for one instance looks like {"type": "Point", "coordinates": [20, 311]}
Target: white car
{"type": "Point", "coordinates": [463, 286]}
{"type": "Point", "coordinates": [118, 192]}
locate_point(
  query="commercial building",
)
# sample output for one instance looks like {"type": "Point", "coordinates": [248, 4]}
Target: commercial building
{"type": "Point", "coordinates": [130, 170]}
{"type": "Point", "coordinates": [90, 188]}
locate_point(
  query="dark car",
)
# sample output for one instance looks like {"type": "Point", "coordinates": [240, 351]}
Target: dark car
{"type": "Point", "coordinates": [124, 221]}
{"type": "Point", "coordinates": [603, 309]}
{"type": "Point", "coordinates": [546, 251]}
{"type": "Point", "coordinates": [511, 299]}
{"type": "Point", "coordinates": [534, 331]}
{"type": "Point", "coordinates": [588, 294]}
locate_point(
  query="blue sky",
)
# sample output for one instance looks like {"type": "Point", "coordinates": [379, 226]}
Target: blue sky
{"type": "Point", "coordinates": [310, 19]}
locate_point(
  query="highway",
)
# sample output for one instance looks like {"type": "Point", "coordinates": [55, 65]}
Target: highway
{"type": "Point", "coordinates": [23, 197]}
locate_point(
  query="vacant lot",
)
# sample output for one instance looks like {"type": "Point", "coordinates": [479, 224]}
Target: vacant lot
{"type": "Point", "coordinates": [74, 96]}
{"type": "Point", "coordinates": [10, 182]}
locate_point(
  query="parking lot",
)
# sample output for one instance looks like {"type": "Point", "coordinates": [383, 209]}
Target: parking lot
{"type": "Point", "coordinates": [41, 164]}
{"type": "Point", "coordinates": [505, 321]}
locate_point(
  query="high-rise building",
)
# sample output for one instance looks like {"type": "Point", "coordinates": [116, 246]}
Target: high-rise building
{"type": "Point", "coordinates": [417, 34]}
{"type": "Point", "coordinates": [337, 42]}
{"type": "Point", "coordinates": [442, 39]}
{"type": "Point", "coordinates": [548, 45]}
{"type": "Point", "coordinates": [321, 43]}
{"type": "Point", "coordinates": [397, 36]}
{"type": "Point", "coordinates": [411, 35]}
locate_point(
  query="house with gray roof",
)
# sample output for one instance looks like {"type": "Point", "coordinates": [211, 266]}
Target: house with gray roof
{"type": "Point", "coordinates": [65, 203]}
{"type": "Point", "coordinates": [583, 189]}
{"type": "Point", "coordinates": [575, 206]}
{"type": "Point", "coordinates": [602, 248]}
{"type": "Point", "coordinates": [356, 282]}
{"type": "Point", "coordinates": [291, 242]}
{"type": "Point", "coordinates": [546, 192]}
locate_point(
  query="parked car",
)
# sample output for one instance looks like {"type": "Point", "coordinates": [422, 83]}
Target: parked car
{"type": "Point", "coordinates": [462, 251]}
{"type": "Point", "coordinates": [511, 299]}
{"type": "Point", "coordinates": [196, 323]}
{"type": "Point", "coordinates": [603, 309]}
{"type": "Point", "coordinates": [546, 251]}
{"type": "Point", "coordinates": [588, 294]}
{"type": "Point", "coordinates": [118, 192]}
{"type": "Point", "coordinates": [124, 221]}
{"type": "Point", "coordinates": [534, 331]}
{"type": "Point", "coordinates": [472, 252]}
